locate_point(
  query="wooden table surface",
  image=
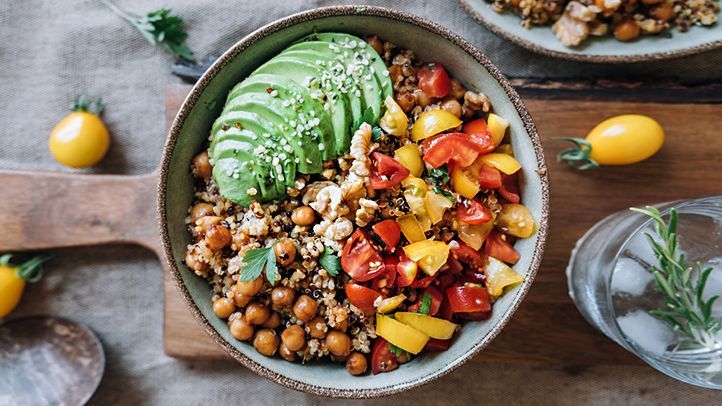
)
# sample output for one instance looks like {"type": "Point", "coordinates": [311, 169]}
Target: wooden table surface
{"type": "Point", "coordinates": [547, 329]}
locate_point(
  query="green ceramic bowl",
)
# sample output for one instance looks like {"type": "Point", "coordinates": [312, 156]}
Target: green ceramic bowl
{"type": "Point", "coordinates": [188, 136]}
{"type": "Point", "coordinates": [605, 50]}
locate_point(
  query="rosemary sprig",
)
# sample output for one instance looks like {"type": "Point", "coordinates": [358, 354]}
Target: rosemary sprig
{"type": "Point", "coordinates": [685, 309]}
{"type": "Point", "coordinates": [158, 27]}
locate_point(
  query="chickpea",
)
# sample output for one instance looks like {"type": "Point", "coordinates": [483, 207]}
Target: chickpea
{"type": "Point", "coordinates": [285, 353]}
{"type": "Point", "coordinates": [206, 223]}
{"type": "Point", "coordinates": [376, 44]}
{"type": "Point", "coordinates": [305, 308]}
{"type": "Point", "coordinates": [294, 337]}
{"type": "Point", "coordinates": [406, 101]}
{"type": "Point", "coordinates": [273, 322]}
{"type": "Point", "coordinates": [202, 165]}
{"type": "Point", "coordinates": [356, 364]}
{"type": "Point", "coordinates": [223, 307]}
{"type": "Point", "coordinates": [241, 330]}
{"type": "Point", "coordinates": [282, 296]}
{"type": "Point", "coordinates": [257, 313]}
{"type": "Point", "coordinates": [285, 251]}
{"type": "Point", "coordinates": [266, 342]}
{"type": "Point", "coordinates": [317, 328]}
{"type": "Point", "coordinates": [303, 216]}
{"type": "Point", "coordinates": [218, 238]}
{"type": "Point", "coordinates": [626, 30]}
{"type": "Point", "coordinates": [240, 299]}
{"type": "Point", "coordinates": [662, 12]}
{"type": "Point", "coordinates": [250, 288]}
{"type": "Point", "coordinates": [452, 106]}
{"type": "Point", "coordinates": [338, 343]}
{"type": "Point", "coordinates": [195, 264]}
{"type": "Point", "coordinates": [201, 210]}
{"type": "Point", "coordinates": [422, 99]}
{"type": "Point", "coordinates": [457, 89]}
{"type": "Point", "coordinates": [342, 326]}
{"type": "Point", "coordinates": [602, 4]}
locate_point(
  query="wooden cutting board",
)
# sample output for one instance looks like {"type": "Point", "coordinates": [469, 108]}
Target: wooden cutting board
{"type": "Point", "coordinates": [547, 329]}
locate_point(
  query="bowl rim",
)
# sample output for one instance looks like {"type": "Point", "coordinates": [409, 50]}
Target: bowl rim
{"type": "Point", "coordinates": [611, 59]}
{"type": "Point", "coordinates": [310, 15]}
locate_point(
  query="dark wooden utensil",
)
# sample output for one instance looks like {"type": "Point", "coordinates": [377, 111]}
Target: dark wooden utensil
{"type": "Point", "coordinates": [48, 360]}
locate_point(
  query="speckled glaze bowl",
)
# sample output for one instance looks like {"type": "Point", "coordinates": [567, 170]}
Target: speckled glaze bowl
{"type": "Point", "coordinates": [602, 50]}
{"type": "Point", "coordinates": [189, 134]}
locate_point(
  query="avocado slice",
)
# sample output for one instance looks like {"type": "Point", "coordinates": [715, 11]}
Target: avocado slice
{"type": "Point", "coordinates": [343, 110]}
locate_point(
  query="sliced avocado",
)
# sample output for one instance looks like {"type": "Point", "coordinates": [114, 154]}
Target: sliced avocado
{"type": "Point", "coordinates": [358, 70]}
{"type": "Point", "coordinates": [308, 74]}
{"type": "Point", "coordinates": [232, 187]}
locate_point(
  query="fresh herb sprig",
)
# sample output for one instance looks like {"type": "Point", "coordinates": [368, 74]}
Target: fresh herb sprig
{"type": "Point", "coordinates": [330, 262]}
{"type": "Point", "coordinates": [685, 309]}
{"type": "Point", "coordinates": [258, 260]}
{"type": "Point", "coordinates": [158, 27]}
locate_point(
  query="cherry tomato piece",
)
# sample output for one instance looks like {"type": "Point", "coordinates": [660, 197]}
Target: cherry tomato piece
{"type": "Point", "coordinates": [472, 211]}
{"type": "Point", "coordinates": [423, 282]}
{"type": "Point", "coordinates": [489, 177]}
{"type": "Point", "coordinates": [360, 259]}
{"type": "Point", "coordinates": [467, 255]}
{"type": "Point", "coordinates": [457, 147]}
{"type": "Point", "coordinates": [389, 232]}
{"type": "Point", "coordinates": [475, 316]}
{"type": "Point", "coordinates": [495, 246]}
{"type": "Point", "coordinates": [434, 80]}
{"type": "Point", "coordinates": [362, 297]}
{"type": "Point", "coordinates": [382, 359]}
{"type": "Point", "coordinates": [510, 188]}
{"type": "Point", "coordinates": [389, 276]}
{"type": "Point", "coordinates": [479, 132]}
{"type": "Point", "coordinates": [386, 172]}
{"type": "Point", "coordinates": [406, 270]}
{"type": "Point", "coordinates": [436, 345]}
{"type": "Point", "coordinates": [468, 299]}
{"type": "Point", "coordinates": [436, 299]}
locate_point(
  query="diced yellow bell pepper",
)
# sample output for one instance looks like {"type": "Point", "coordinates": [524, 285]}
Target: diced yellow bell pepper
{"type": "Point", "coordinates": [474, 235]}
{"type": "Point", "coordinates": [433, 122]}
{"type": "Point", "coordinates": [411, 228]}
{"type": "Point", "coordinates": [463, 183]}
{"type": "Point", "coordinates": [410, 158]}
{"type": "Point", "coordinates": [390, 304]}
{"type": "Point", "coordinates": [394, 121]}
{"type": "Point", "coordinates": [499, 275]}
{"type": "Point", "coordinates": [505, 149]}
{"type": "Point", "coordinates": [436, 205]}
{"type": "Point", "coordinates": [429, 254]}
{"type": "Point", "coordinates": [431, 326]}
{"type": "Point", "coordinates": [399, 334]}
{"type": "Point", "coordinates": [503, 162]}
{"type": "Point", "coordinates": [497, 127]}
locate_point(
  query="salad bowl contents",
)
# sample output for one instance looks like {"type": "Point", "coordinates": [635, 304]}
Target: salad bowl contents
{"type": "Point", "coordinates": [355, 204]}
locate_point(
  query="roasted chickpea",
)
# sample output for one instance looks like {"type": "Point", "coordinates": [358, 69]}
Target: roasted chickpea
{"type": "Point", "coordinates": [662, 12]}
{"type": "Point", "coordinates": [406, 101]}
{"type": "Point", "coordinates": [294, 337]}
{"type": "Point", "coordinates": [338, 343]}
{"type": "Point", "coordinates": [376, 44]}
{"type": "Point", "coordinates": [422, 99]}
{"type": "Point", "coordinates": [604, 6]}
{"type": "Point", "coordinates": [303, 216]}
{"type": "Point", "coordinates": [285, 353]}
{"type": "Point", "coordinates": [201, 210]}
{"type": "Point", "coordinates": [195, 264]}
{"type": "Point", "coordinates": [305, 308]}
{"type": "Point", "coordinates": [342, 326]}
{"type": "Point", "coordinates": [240, 299]}
{"type": "Point", "coordinates": [626, 30]}
{"type": "Point", "coordinates": [218, 238]}
{"type": "Point", "coordinates": [240, 329]}
{"type": "Point", "coordinates": [223, 307]}
{"type": "Point", "coordinates": [202, 165]}
{"type": "Point", "coordinates": [266, 342]}
{"type": "Point", "coordinates": [273, 322]}
{"type": "Point", "coordinates": [250, 288]}
{"type": "Point", "coordinates": [317, 328]}
{"type": "Point", "coordinates": [457, 89]}
{"type": "Point", "coordinates": [285, 251]}
{"type": "Point", "coordinates": [356, 364]}
{"type": "Point", "coordinates": [282, 296]}
{"type": "Point", "coordinates": [452, 106]}
{"type": "Point", "coordinates": [208, 222]}
{"type": "Point", "coordinates": [257, 313]}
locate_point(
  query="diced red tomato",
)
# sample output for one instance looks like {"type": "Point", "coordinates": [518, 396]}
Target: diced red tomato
{"type": "Point", "coordinates": [468, 299]}
{"type": "Point", "coordinates": [389, 232]}
{"type": "Point", "coordinates": [467, 255]}
{"type": "Point", "coordinates": [457, 147]}
{"type": "Point", "coordinates": [406, 270]}
{"type": "Point", "coordinates": [489, 177]}
{"type": "Point", "coordinates": [472, 211]}
{"type": "Point", "coordinates": [472, 277]}
{"type": "Point", "coordinates": [389, 276]}
{"type": "Point", "coordinates": [495, 246]}
{"type": "Point", "coordinates": [423, 282]}
{"type": "Point", "coordinates": [476, 316]}
{"type": "Point", "coordinates": [454, 265]}
{"type": "Point", "coordinates": [434, 80]}
{"type": "Point", "coordinates": [386, 172]}
{"type": "Point", "coordinates": [436, 345]}
{"type": "Point", "coordinates": [510, 188]}
{"type": "Point", "coordinates": [360, 259]}
{"type": "Point", "coordinates": [362, 297]}
{"type": "Point", "coordinates": [445, 309]}
{"type": "Point", "coordinates": [382, 359]}
{"type": "Point", "coordinates": [436, 299]}
{"type": "Point", "coordinates": [479, 133]}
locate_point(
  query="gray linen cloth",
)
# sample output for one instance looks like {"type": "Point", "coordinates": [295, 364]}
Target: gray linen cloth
{"type": "Point", "coordinates": [50, 51]}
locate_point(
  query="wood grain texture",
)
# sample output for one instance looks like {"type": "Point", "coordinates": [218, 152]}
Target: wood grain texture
{"type": "Point", "coordinates": [547, 328]}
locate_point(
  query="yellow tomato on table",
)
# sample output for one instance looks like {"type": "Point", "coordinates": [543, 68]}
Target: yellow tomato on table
{"type": "Point", "coordinates": [13, 279]}
{"type": "Point", "coordinates": [80, 139]}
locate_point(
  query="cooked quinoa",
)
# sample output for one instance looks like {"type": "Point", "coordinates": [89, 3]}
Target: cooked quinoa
{"type": "Point", "coordinates": [574, 21]}
{"type": "Point", "coordinates": [320, 213]}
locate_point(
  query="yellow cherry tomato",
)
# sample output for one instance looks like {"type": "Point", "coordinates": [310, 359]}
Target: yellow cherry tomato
{"type": "Point", "coordinates": [81, 139]}
{"type": "Point", "coordinates": [503, 162]}
{"type": "Point", "coordinates": [394, 121]}
{"type": "Point", "coordinates": [620, 140]}
{"type": "Point", "coordinates": [474, 235]}
{"type": "Point", "coordinates": [14, 278]}
{"type": "Point", "coordinates": [436, 204]}
{"type": "Point", "coordinates": [411, 227]}
{"type": "Point", "coordinates": [500, 275]}
{"type": "Point", "coordinates": [410, 158]}
{"type": "Point", "coordinates": [430, 255]}
{"type": "Point", "coordinates": [390, 304]}
{"type": "Point", "coordinates": [399, 334]}
{"type": "Point", "coordinates": [497, 128]}
{"type": "Point", "coordinates": [464, 182]}
{"type": "Point", "coordinates": [431, 326]}
{"type": "Point", "coordinates": [516, 219]}
{"type": "Point", "coordinates": [433, 122]}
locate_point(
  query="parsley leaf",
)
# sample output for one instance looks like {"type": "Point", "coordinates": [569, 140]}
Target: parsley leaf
{"type": "Point", "coordinates": [396, 350]}
{"type": "Point", "coordinates": [444, 193]}
{"type": "Point", "coordinates": [256, 261]}
{"type": "Point", "coordinates": [376, 134]}
{"type": "Point", "coordinates": [330, 261]}
{"type": "Point", "coordinates": [439, 176]}
{"type": "Point", "coordinates": [366, 117]}
{"type": "Point", "coordinates": [425, 306]}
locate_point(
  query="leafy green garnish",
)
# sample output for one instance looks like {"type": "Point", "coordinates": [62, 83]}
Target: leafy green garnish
{"type": "Point", "coordinates": [256, 261]}
{"type": "Point", "coordinates": [366, 117]}
{"type": "Point", "coordinates": [376, 134]}
{"type": "Point", "coordinates": [158, 27]}
{"type": "Point", "coordinates": [84, 103]}
{"type": "Point", "coordinates": [396, 350]}
{"type": "Point", "coordinates": [31, 270]}
{"type": "Point", "coordinates": [439, 176]}
{"type": "Point", "coordinates": [425, 305]}
{"type": "Point", "coordinates": [444, 193]}
{"type": "Point", "coordinates": [330, 262]}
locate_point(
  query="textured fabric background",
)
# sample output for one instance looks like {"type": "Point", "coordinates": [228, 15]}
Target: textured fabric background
{"type": "Point", "coordinates": [50, 51]}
